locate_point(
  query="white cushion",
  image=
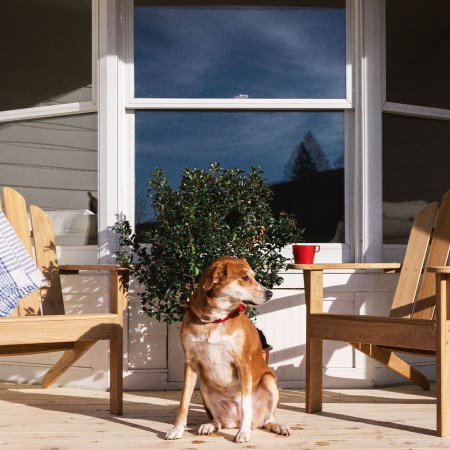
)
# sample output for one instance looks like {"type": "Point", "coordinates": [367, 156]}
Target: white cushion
{"type": "Point", "coordinates": [73, 227]}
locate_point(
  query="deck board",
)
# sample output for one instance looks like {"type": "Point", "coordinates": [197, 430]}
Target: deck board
{"type": "Point", "coordinates": [401, 417]}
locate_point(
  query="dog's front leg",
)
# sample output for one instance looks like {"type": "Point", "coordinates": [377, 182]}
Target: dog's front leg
{"type": "Point", "coordinates": [245, 375]}
{"type": "Point", "coordinates": [190, 378]}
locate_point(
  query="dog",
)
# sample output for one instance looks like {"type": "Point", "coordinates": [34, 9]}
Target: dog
{"type": "Point", "coordinates": [222, 345]}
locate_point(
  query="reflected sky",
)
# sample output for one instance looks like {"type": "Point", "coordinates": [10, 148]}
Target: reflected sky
{"type": "Point", "coordinates": [227, 52]}
{"type": "Point", "coordinates": [175, 140]}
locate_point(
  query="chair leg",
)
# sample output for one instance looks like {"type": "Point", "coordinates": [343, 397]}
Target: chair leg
{"type": "Point", "coordinates": [442, 355]}
{"type": "Point", "coordinates": [391, 360]}
{"type": "Point", "coordinates": [314, 304]}
{"type": "Point", "coordinates": [66, 361]}
{"type": "Point", "coordinates": [116, 375]}
{"type": "Point", "coordinates": [313, 375]}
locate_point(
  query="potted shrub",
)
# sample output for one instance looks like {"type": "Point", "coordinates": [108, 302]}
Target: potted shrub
{"type": "Point", "coordinates": [215, 212]}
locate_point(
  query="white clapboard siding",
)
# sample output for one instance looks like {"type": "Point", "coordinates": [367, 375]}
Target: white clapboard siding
{"type": "Point", "coordinates": [52, 162]}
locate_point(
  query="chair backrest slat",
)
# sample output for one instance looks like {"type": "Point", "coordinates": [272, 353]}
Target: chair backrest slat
{"type": "Point", "coordinates": [437, 256]}
{"type": "Point", "coordinates": [46, 260]}
{"type": "Point", "coordinates": [411, 271]}
{"type": "Point", "coordinates": [16, 211]}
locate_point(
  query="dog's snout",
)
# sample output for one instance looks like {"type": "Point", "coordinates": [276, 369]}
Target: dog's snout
{"type": "Point", "coordinates": [268, 295]}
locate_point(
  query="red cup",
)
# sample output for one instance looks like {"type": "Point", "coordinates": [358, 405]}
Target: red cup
{"type": "Point", "coordinates": [304, 253]}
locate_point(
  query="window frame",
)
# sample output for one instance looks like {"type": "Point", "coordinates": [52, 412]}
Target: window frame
{"type": "Point", "coordinates": [262, 104]}
{"type": "Point", "coordinates": [329, 251]}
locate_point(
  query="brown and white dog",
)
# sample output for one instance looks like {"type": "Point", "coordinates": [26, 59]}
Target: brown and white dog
{"type": "Point", "coordinates": [220, 343]}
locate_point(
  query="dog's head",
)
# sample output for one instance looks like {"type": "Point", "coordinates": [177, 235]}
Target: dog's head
{"type": "Point", "coordinates": [230, 281]}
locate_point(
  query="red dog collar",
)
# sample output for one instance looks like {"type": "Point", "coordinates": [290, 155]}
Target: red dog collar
{"type": "Point", "coordinates": [241, 308]}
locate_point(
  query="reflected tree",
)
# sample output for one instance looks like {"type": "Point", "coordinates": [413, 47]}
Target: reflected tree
{"type": "Point", "coordinates": [307, 159]}
{"type": "Point", "coordinates": [316, 152]}
{"type": "Point", "coordinates": [304, 165]}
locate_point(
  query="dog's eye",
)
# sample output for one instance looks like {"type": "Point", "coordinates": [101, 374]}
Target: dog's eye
{"type": "Point", "coordinates": [245, 278]}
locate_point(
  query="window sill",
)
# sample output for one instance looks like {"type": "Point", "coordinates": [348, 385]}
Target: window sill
{"type": "Point", "coordinates": [329, 253]}
{"type": "Point", "coordinates": [77, 254]}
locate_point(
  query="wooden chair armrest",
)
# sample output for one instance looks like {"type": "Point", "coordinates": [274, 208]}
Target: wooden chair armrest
{"type": "Point", "coordinates": [439, 269]}
{"type": "Point", "coordinates": [313, 278]}
{"type": "Point", "coordinates": [348, 266]}
{"type": "Point", "coordinates": [76, 268]}
{"type": "Point", "coordinates": [118, 281]}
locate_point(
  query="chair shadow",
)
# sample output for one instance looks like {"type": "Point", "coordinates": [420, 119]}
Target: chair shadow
{"type": "Point", "coordinates": [344, 398]}
{"type": "Point", "coordinates": [380, 423]}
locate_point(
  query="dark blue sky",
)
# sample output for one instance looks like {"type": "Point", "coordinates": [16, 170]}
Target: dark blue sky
{"type": "Point", "coordinates": [224, 52]}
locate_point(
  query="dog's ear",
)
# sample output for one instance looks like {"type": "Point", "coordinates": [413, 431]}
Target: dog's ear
{"type": "Point", "coordinates": [214, 275]}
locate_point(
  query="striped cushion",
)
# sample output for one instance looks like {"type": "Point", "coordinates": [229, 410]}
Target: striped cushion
{"type": "Point", "coordinates": [19, 274]}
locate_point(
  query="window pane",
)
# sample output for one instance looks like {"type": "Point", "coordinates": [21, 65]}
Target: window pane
{"type": "Point", "coordinates": [418, 52]}
{"type": "Point", "coordinates": [46, 51]}
{"type": "Point", "coordinates": [300, 153]}
{"type": "Point", "coordinates": [416, 168]}
{"type": "Point", "coordinates": [53, 164]}
{"type": "Point", "coordinates": [244, 50]}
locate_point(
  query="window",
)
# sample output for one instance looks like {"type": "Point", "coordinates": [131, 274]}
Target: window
{"type": "Point", "coordinates": [416, 127]}
{"type": "Point", "coordinates": [48, 50]}
{"type": "Point", "coordinates": [249, 84]}
{"type": "Point", "coordinates": [48, 120]}
{"type": "Point", "coordinates": [417, 50]}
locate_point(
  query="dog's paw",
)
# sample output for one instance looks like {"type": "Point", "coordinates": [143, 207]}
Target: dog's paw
{"type": "Point", "coordinates": [242, 436]}
{"type": "Point", "coordinates": [278, 428]}
{"type": "Point", "coordinates": [207, 428]}
{"type": "Point", "coordinates": [175, 433]}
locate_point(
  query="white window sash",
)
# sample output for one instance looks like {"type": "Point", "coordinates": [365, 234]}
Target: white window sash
{"type": "Point", "coordinates": [135, 103]}
{"type": "Point", "coordinates": [240, 104]}
{"type": "Point", "coordinates": [48, 111]}
{"type": "Point", "coordinates": [416, 111]}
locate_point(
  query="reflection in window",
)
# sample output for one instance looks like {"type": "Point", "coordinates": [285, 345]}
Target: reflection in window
{"type": "Point", "coordinates": [46, 53]}
{"type": "Point", "coordinates": [418, 52]}
{"type": "Point", "coordinates": [240, 51]}
{"type": "Point", "coordinates": [300, 153]}
{"type": "Point", "coordinates": [416, 161]}
{"type": "Point", "coordinates": [52, 162]}
{"type": "Point", "coordinates": [416, 168]}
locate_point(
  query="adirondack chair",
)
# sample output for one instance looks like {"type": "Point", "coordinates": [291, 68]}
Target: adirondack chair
{"type": "Point", "coordinates": [39, 324]}
{"type": "Point", "coordinates": [419, 321]}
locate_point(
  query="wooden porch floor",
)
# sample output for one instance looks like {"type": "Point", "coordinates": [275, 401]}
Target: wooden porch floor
{"type": "Point", "coordinates": [389, 418]}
